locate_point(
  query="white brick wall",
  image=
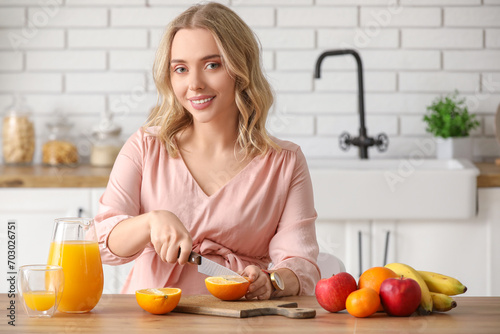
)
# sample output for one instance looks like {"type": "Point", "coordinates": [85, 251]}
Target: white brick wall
{"type": "Point", "coordinates": [87, 56]}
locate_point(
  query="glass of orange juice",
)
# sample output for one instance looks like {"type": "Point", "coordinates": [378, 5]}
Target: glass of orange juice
{"type": "Point", "coordinates": [74, 247]}
{"type": "Point", "coordinates": [40, 289]}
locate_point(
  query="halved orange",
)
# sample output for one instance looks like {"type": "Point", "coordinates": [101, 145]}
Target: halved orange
{"type": "Point", "coordinates": [158, 301]}
{"type": "Point", "coordinates": [227, 287]}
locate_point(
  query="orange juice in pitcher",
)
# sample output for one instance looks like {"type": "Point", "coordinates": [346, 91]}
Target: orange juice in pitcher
{"type": "Point", "coordinates": [74, 247]}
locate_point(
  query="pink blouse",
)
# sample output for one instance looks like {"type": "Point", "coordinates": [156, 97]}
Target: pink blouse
{"type": "Point", "coordinates": [263, 214]}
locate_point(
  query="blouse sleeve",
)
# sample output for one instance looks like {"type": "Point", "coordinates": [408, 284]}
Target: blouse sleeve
{"type": "Point", "coordinates": [294, 246]}
{"type": "Point", "coordinates": [121, 199]}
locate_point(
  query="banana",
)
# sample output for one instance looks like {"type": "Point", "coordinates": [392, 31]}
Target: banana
{"type": "Point", "coordinates": [442, 302]}
{"type": "Point", "coordinates": [442, 283]}
{"type": "Point", "coordinates": [408, 272]}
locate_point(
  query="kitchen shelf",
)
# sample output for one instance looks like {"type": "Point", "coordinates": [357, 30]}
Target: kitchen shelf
{"type": "Point", "coordinates": [86, 176]}
{"type": "Point", "coordinates": [38, 176]}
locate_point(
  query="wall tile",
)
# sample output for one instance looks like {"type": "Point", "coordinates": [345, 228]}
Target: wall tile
{"type": "Point", "coordinates": [493, 38]}
{"type": "Point", "coordinates": [28, 39]}
{"type": "Point", "coordinates": [401, 59]}
{"type": "Point", "coordinates": [471, 60]}
{"type": "Point", "coordinates": [68, 17]}
{"type": "Point", "coordinates": [105, 2]}
{"type": "Point", "coordinates": [66, 60]}
{"type": "Point", "coordinates": [358, 38]}
{"type": "Point", "coordinates": [30, 82]}
{"type": "Point", "coordinates": [400, 17]}
{"type": "Point", "coordinates": [131, 59]}
{"type": "Point", "coordinates": [439, 2]}
{"type": "Point", "coordinates": [286, 38]}
{"type": "Point", "coordinates": [104, 82]}
{"type": "Point", "coordinates": [12, 17]}
{"type": "Point", "coordinates": [441, 82]}
{"type": "Point", "coordinates": [281, 123]}
{"type": "Point", "coordinates": [442, 38]}
{"type": "Point", "coordinates": [143, 17]}
{"type": "Point", "coordinates": [317, 17]}
{"type": "Point", "coordinates": [257, 16]}
{"type": "Point", "coordinates": [483, 16]}
{"type": "Point", "coordinates": [11, 61]}
{"type": "Point", "coordinates": [290, 81]}
{"type": "Point", "coordinates": [107, 38]}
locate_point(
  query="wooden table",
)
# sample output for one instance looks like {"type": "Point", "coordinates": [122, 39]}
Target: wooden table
{"type": "Point", "coordinates": [121, 314]}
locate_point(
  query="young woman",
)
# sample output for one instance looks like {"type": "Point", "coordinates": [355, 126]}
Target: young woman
{"type": "Point", "coordinates": [204, 175]}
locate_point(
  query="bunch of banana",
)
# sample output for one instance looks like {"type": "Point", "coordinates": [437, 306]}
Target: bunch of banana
{"type": "Point", "coordinates": [442, 287]}
{"type": "Point", "coordinates": [408, 272]}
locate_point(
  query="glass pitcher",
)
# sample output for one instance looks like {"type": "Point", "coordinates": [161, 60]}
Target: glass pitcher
{"type": "Point", "coordinates": [74, 247]}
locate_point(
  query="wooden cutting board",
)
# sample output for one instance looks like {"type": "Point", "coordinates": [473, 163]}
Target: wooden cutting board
{"type": "Point", "coordinates": [210, 305]}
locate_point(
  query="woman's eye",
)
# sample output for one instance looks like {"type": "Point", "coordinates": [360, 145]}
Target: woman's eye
{"type": "Point", "coordinates": [212, 66]}
{"type": "Point", "coordinates": [180, 70]}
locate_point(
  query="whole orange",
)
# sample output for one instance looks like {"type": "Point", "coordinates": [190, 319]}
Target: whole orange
{"type": "Point", "coordinates": [373, 278]}
{"type": "Point", "coordinates": [158, 301]}
{"type": "Point", "coordinates": [363, 302]}
{"type": "Point", "coordinates": [227, 287]}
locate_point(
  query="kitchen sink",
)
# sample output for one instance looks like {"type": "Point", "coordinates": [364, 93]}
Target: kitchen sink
{"type": "Point", "coordinates": [394, 189]}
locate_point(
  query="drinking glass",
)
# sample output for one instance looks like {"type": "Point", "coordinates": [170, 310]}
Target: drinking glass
{"type": "Point", "coordinates": [74, 247]}
{"type": "Point", "coordinates": [40, 289]}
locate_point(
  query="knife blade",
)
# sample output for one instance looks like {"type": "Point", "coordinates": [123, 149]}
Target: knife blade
{"type": "Point", "coordinates": [209, 267]}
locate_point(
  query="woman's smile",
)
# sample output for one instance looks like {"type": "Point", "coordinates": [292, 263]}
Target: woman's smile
{"type": "Point", "coordinates": [201, 102]}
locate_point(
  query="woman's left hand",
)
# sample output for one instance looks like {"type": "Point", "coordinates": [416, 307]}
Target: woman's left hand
{"type": "Point", "coordinates": [260, 284]}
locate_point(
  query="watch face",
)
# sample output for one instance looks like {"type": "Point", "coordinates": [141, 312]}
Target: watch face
{"type": "Point", "coordinates": [279, 284]}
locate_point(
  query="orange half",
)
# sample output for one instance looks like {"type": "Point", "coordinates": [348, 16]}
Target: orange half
{"type": "Point", "coordinates": [158, 301]}
{"type": "Point", "coordinates": [227, 287]}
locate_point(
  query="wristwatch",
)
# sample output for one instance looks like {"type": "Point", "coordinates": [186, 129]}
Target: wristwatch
{"type": "Point", "coordinates": [276, 280]}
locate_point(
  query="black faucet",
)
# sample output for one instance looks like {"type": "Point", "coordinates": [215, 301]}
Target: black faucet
{"type": "Point", "coordinates": [362, 141]}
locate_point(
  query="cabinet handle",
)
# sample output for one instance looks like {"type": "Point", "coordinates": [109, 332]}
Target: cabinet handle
{"type": "Point", "coordinates": [360, 249]}
{"type": "Point", "coordinates": [80, 211]}
{"type": "Point", "coordinates": [386, 250]}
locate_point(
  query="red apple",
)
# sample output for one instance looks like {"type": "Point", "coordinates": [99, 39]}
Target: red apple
{"type": "Point", "coordinates": [332, 292]}
{"type": "Point", "coordinates": [400, 296]}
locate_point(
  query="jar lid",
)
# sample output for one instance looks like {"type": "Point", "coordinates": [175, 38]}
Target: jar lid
{"type": "Point", "coordinates": [18, 106]}
{"type": "Point", "coordinates": [61, 125]}
{"type": "Point", "coordinates": [106, 128]}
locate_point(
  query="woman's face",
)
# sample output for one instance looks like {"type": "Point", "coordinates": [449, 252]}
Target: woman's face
{"type": "Point", "coordinates": [200, 81]}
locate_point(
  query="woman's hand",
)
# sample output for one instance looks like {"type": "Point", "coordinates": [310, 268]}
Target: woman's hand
{"type": "Point", "coordinates": [260, 283]}
{"type": "Point", "coordinates": [170, 238]}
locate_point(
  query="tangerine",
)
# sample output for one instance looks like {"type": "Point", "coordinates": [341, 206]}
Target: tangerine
{"type": "Point", "coordinates": [227, 287]}
{"type": "Point", "coordinates": [158, 301]}
{"type": "Point", "coordinates": [373, 278]}
{"type": "Point", "coordinates": [363, 302]}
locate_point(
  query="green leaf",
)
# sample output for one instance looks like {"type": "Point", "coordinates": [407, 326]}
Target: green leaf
{"type": "Point", "coordinates": [449, 116]}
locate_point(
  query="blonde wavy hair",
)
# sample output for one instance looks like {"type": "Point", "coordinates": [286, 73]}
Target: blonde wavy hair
{"type": "Point", "coordinates": [240, 52]}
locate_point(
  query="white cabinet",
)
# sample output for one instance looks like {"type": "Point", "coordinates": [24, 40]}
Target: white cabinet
{"type": "Point", "coordinates": [466, 249]}
{"type": "Point", "coordinates": [34, 211]}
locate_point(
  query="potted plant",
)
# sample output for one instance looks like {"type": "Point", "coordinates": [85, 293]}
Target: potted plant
{"type": "Point", "coordinates": [450, 121]}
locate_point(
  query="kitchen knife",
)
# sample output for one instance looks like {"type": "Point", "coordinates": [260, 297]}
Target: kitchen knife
{"type": "Point", "coordinates": [209, 267]}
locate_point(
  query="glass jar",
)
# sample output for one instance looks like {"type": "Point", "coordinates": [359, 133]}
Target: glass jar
{"type": "Point", "coordinates": [18, 134]}
{"type": "Point", "coordinates": [59, 149]}
{"type": "Point", "coordinates": [106, 144]}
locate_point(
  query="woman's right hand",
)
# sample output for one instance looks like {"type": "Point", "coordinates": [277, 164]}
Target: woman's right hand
{"type": "Point", "coordinates": [170, 238]}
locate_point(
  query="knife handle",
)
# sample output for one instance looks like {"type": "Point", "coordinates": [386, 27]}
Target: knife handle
{"type": "Point", "coordinates": [194, 258]}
